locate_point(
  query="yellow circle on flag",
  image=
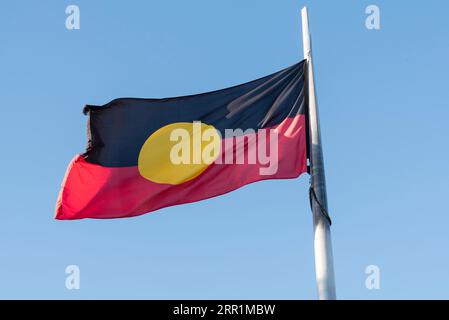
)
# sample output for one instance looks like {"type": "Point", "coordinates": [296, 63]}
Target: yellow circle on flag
{"type": "Point", "coordinates": [179, 152]}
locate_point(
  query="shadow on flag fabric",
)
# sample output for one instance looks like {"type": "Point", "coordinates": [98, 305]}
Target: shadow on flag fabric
{"type": "Point", "coordinates": [147, 154]}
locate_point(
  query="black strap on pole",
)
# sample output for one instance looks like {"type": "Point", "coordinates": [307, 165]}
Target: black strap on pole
{"type": "Point", "coordinates": [313, 196]}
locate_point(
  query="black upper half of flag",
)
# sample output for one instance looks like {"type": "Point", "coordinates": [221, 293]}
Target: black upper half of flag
{"type": "Point", "coordinates": [118, 129]}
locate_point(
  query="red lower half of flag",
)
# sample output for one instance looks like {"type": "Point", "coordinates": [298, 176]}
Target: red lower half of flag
{"type": "Point", "coordinates": [94, 191]}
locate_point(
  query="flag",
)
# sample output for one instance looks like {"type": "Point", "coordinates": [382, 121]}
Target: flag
{"type": "Point", "coordinates": [146, 154]}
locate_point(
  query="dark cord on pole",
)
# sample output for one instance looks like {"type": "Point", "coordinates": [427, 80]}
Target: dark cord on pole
{"type": "Point", "coordinates": [312, 195]}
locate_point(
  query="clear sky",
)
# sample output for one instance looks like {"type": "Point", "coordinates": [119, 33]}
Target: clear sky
{"type": "Point", "coordinates": [384, 107]}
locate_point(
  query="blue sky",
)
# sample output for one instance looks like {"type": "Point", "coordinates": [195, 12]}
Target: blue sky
{"type": "Point", "coordinates": [384, 114]}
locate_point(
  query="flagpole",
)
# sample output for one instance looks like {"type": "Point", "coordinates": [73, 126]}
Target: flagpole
{"type": "Point", "coordinates": [324, 266]}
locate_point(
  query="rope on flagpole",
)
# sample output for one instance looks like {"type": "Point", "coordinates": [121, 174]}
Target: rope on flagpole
{"type": "Point", "coordinates": [312, 195]}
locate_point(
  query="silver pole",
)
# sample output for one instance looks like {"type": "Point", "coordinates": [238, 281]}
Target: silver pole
{"type": "Point", "coordinates": [324, 266]}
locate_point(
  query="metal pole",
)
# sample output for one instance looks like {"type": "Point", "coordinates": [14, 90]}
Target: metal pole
{"type": "Point", "coordinates": [324, 266]}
